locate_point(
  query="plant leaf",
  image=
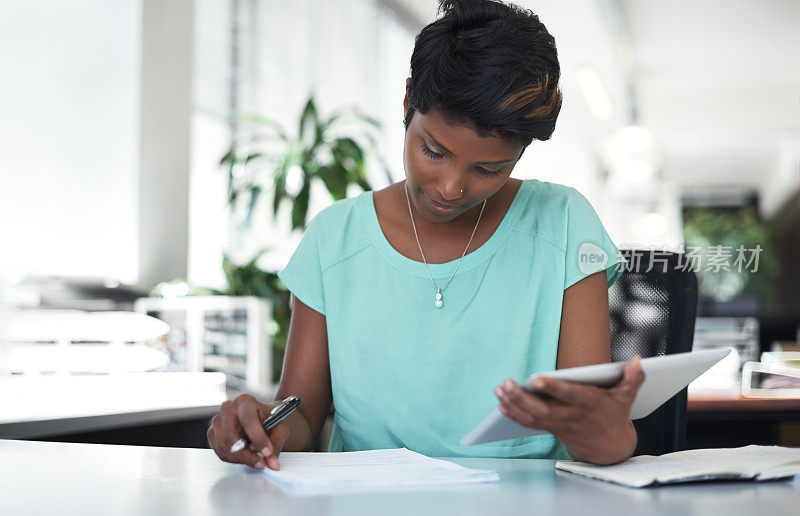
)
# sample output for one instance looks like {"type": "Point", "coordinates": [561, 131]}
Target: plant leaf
{"type": "Point", "coordinates": [300, 206]}
{"type": "Point", "coordinates": [229, 156]}
{"type": "Point", "coordinates": [251, 157]}
{"type": "Point", "coordinates": [255, 193]}
{"type": "Point", "coordinates": [280, 185]}
{"type": "Point", "coordinates": [308, 122]}
{"type": "Point", "coordinates": [233, 195]}
{"type": "Point", "coordinates": [335, 179]}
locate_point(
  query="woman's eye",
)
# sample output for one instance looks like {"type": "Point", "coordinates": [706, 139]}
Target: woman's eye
{"type": "Point", "coordinates": [435, 155]}
{"type": "Point", "coordinates": [489, 173]}
{"type": "Point", "coordinates": [430, 153]}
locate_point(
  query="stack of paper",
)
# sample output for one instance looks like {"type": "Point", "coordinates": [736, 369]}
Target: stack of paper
{"type": "Point", "coordinates": [393, 468]}
{"type": "Point", "coordinates": [748, 462]}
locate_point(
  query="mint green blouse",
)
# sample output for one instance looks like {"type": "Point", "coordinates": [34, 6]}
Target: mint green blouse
{"type": "Point", "coordinates": [405, 373]}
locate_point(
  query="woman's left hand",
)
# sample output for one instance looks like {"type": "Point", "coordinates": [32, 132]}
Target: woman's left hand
{"type": "Point", "coordinates": [593, 422]}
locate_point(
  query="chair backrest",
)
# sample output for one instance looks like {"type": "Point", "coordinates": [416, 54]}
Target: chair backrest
{"type": "Point", "coordinates": [652, 307]}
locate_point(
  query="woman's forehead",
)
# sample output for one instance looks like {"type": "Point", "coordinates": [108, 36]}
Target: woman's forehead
{"type": "Point", "coordinates": [461, 138]}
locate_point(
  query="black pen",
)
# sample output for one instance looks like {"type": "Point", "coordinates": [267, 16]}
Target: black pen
{"type": "Point", "coordinates": [276, 415]}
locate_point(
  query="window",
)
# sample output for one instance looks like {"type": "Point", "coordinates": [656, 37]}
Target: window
{"type": "Point", "coordinates": [395, 42]}
{"type": "Point", "coordinates": [69, 138]}
{"type": "Point", "coordinates": [225, 79]}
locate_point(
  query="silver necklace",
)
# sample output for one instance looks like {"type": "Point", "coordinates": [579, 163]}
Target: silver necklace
{"type": "Point", "coordinates": [438, 301]}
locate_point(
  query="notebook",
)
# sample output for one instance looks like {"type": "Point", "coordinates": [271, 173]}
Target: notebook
{"type": "Point", "coordinates": [748, 462]}
{"type": "Point", "coordinates": [390, 468]}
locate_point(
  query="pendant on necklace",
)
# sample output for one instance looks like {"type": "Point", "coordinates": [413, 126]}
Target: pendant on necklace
{"type": "Point", "coordinates": [438, 302]}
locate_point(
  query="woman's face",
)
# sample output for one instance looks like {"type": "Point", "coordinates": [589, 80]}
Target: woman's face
{"type": "Point", "coordinates": [452, 165]}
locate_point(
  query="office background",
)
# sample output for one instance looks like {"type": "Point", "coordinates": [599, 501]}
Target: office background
{"type": "Point", "coordinates": [680, 123]}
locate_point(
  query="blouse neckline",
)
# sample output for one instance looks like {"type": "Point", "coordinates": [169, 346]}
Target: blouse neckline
{"type": "Point", "coordinates": [442, 270]}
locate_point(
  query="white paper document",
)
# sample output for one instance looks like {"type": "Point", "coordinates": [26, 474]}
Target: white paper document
{"type": "Point", "coordinates": [400, 467]}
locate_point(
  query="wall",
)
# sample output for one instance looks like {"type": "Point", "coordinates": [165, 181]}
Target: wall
{"type": "Point", "coordinates": [68, 138]}
{"type": "Point", "coordinates": [165, 131]}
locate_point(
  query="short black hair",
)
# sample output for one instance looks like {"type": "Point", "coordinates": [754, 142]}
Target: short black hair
{"type": "Point", "coordinates": [490, 65]}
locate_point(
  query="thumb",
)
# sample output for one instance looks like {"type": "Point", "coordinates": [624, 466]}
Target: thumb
{"type": "Point", "coordinates": [278, 436]}
{"type": "Point", "coordinates": [632, 376]}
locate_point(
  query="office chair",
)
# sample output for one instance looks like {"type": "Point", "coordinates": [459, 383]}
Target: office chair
{"type": "Point", "coordinates": [652, 308]}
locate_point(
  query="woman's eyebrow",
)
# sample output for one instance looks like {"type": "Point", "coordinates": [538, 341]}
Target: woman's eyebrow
{"type": "Point", "coordinates": [502, 162]}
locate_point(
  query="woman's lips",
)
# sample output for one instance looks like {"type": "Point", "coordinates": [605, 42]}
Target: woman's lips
{"type": "Point", "coordinates": [438, 208]}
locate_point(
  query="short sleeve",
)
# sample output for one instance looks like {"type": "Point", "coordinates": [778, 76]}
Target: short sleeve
{"type": "Point", "coordinates": [303, 274]}
{"type": "Point", "coordinates": [559, 451]}
{"type": "Point", "coordinates": [589, 249]}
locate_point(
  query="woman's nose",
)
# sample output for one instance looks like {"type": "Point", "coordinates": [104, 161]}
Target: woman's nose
{"type": "Point", "coordinates": [451, 191]}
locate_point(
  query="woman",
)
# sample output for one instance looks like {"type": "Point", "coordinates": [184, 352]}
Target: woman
{"type": "Point", "coordinates": [412, 304]}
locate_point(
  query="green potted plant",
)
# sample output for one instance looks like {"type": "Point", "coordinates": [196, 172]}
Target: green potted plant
{"type": "Point", "coordinates": [267, 159]}
{"type": "Point", "coordinates": [318, 152]}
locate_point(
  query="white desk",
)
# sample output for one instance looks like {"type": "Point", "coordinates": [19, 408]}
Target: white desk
{"type": "Point", "coordinates": [64, 478]}
{"type": "Point", "coordinates": [123, 418]}
{"type": "Point", "coordinates": [39, 407]}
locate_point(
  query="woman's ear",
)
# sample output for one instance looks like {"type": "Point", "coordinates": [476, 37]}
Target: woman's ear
{"type": "Point", "coordinates": [405, 99]}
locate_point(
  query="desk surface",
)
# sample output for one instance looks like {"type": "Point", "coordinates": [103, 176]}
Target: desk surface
{"type": "Point", "coordinates": [44, 428]}
{"type": "Point", "coordinates": [34, 406]}
{"type": "Point", "coordinates": [62, 478]}
{"type": "Point", "coordinates": [733, 401]}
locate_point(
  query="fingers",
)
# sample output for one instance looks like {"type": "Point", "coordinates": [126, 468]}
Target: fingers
{"type": "Point", "coordinates": [220, 443]}
{"type": "Point", "coordinates": [530, 410]}
{"type": "Point", "coordinates": [232, 430]}
{"type": "Point", "coordinates": [568, 392]}
{"type": "Point", "coordinates": [278, 435]}
{"type": "Point", "coordinates": [570, 410]}
{"type": "Point", "coordinates": [213, 438]}
{"type": "Point", "coordinates": [250, 419]}
{"type": "Point", "coordinates": [239, 418]}
{"type": "Point", "coordinates": [250, 457]}
{"type": "Point", "coordinates": [514, 412]}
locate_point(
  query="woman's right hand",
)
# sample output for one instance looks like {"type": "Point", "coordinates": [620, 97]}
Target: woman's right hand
{"type": "Point", "coordinates": [243, 416]}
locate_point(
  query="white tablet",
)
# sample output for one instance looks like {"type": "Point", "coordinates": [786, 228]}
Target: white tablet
{"type": "Point", "coordinates": [664, 376]}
